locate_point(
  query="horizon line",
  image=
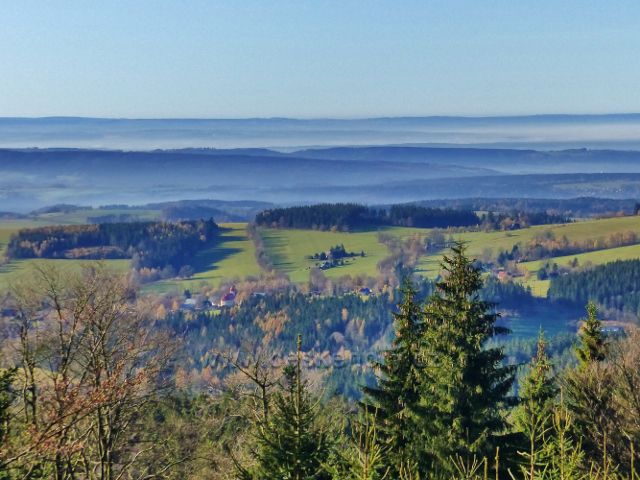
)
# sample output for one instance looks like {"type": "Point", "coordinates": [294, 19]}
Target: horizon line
{"type": "Point", "coordinates": [325, 118]}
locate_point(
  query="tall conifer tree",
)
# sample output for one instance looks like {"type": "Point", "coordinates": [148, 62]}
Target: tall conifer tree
{"type": "Point", "coordinates": [464, 385]}
{"type": "Point", "coordinates": [592, 346]}
{"type": "Point", "coordinates": [534, 416]}
{"type": "Point", "coordinates": [397, 394]}
{"type": "Point", "coordinates": [590, 390]}
{"type": "Point", "coordinates": [291, 445]}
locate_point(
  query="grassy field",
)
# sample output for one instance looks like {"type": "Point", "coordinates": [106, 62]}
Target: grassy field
{"type": "Point", "coordinates": [289, 250]}
{"type": "Point", "coordinates": [540, 287]}
{"type": "Point", "coordinates": [18, 270]}
{"type": "Point", "coordinates": [481, 242]}
{"type": "Point", "coordinates": [234, 257]}
{"type": "Point", "coordinates": [596, 258]}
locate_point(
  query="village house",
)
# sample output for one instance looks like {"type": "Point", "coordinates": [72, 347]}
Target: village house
{"type": "Point", "coordinates": [229, 298]}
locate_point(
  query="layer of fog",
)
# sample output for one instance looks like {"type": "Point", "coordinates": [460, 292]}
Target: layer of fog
{"type": "Point", "coordinates": [541, 132]}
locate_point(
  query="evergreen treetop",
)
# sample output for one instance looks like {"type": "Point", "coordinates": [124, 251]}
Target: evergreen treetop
{"type": "Point", "coordinates": [397, 394]}
{"type": "Point", "coordinates": [464, 385]}
{"type": "Point", "coordinates": [591, 346]}
{"type": "Point", "coordinates": [534, 415]}
{"type": "Point", "coordinates": [291, 445]}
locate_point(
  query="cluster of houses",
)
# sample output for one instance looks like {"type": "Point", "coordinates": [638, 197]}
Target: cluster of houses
{"type": "Point", "coordinates": [227, 300]}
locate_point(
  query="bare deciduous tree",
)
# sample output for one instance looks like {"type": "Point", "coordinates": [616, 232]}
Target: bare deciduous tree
{"type": "Point", "coordinates": [91, 361]}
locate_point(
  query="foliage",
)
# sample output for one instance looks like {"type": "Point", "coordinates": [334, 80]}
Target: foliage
{"type": "Point", "coordinates": [396, 396]}
{"type": "Point", "coordinates": [290, 442]}
{"type": "Point", "coordinates": [591, 346]}
{"type": "Point", "coordinates": [363, 457]}
{"type": "Point", "coordinates": [515, 220]}
{"type": "Point", "coordinates": [579, 207]}
{"type": "Point", "coordinates": [603, 397]}
{"type": "Point", "coordinates": [89, 366]}
{"type": "Point", "coordinates": [348, 216]}
{"type": "Point", "coordinates": [613, 286]}
{"type": "Point", "coordinates": [534, 414]}
{"type": "Point", "coordinates": [148, 244]}
{"type": "Point", "coordinates": [566, 458]}
{"type": "Point", "coordinates": [335, 253]}
{"type": "Point", "coordinates": [92, 398]}
{"type": "Point", "coordinates": [7, 395]}
{"type": "Point", "coordinates": [507, 294]}
{"type": "Point", "coordinates": [464, 386]}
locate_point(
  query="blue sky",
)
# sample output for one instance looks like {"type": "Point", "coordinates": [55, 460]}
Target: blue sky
{"type": "Point", "coordinates": [153, 58]}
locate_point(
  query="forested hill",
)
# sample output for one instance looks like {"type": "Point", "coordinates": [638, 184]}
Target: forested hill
{"type": "Point", "coordinates": [107, 177]}
{"type": "Point", "coordinates": [615, 286]}
{"type": "Point", "coordinates": [571, 207]}
{"type": "Point", "coordinates": [33, 178]}
{"type": "Point", "coordinates": [515, 161]}
{"type": "Point", "coordinates": [345, 216]}
{"type": "Point", "coordinates": [148, 244]}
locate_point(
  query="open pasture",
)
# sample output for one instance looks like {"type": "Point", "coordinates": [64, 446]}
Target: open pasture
{"type": "Point", "coordinates": [289, 250]}
{"type": "Point", "coordinates": [490, 243]}
{"type": "Point", "coordinates": [233, 258]}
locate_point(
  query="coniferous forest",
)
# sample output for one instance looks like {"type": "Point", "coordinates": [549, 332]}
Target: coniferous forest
{"type": "Point", "coordinates": [346, 216]}
{"type": "Point", "coordinates": [94, 386]}
{"type": "Point", "coordinates": [148, 244]}
{"type": "Point", "coordinates": [615, 286]}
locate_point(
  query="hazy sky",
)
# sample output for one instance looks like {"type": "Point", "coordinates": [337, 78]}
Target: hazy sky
{"type": "Point", "coordinates": [152, 58]}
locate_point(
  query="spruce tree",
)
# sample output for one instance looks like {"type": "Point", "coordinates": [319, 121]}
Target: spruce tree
{"type": "Point", "coordinates": [463, 385]}
{"type": "Point", "coordinates": [591, 346]}
{"type": "Point", "coordinates": [534, 416]}
{"type": "Point", "coordinates": [291, 445]}
{"type": "Point", "coordinates": [565, 455]}
{"type": "Point", "coordinates": [397, 394]}
{"type": "Point", "coordinates": [362, 457]}
{"type": "Point", "coordinates": [590, 390]}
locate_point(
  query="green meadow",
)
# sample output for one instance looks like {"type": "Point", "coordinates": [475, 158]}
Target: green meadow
{"type": "Point", "coordinates": [599, 257]}
{"type": "Point", "coordinates": [233, 258]}
{"type": "Point", "coordinates": [19, 270]}
{"type": "Point", "coordinates": [492, 242]}
{"type": "Point", "coordinates": [289, 250]}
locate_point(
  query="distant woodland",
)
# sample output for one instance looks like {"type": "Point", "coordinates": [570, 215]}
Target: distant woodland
{"type": "Point", "coordinates": [614, 286]}
{"type": "Point", "coordinates": [580, 207]}
{"type": "Point", "coordinates": [347, 216]}
{"type": "Point", "coordinates": [147, 244]}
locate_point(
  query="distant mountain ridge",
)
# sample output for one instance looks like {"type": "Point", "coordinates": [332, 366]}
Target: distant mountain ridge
{"type": "Point", "coordinates": [31, 178]}
{"type": "Point", "coordinates": [542, 131]}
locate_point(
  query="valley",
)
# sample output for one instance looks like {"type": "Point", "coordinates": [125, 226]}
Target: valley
{"type": "Point", "coordinates": [288, 250]}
